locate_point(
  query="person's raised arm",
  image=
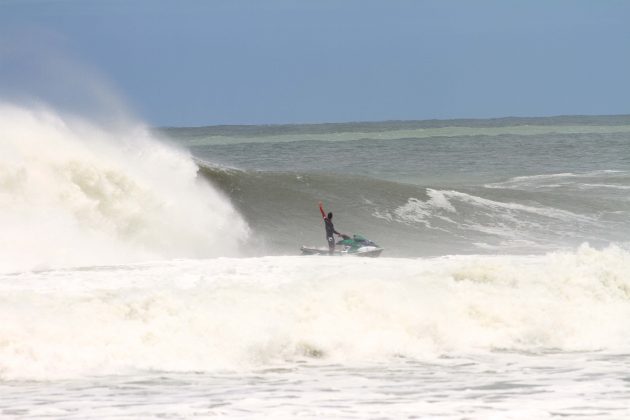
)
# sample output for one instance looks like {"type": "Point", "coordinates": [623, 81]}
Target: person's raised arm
{"type": "Point", "coordinates": [321, 209]}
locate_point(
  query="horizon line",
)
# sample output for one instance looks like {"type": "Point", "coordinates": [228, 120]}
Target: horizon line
{"type": "Point", "coordinates": [429, 120]}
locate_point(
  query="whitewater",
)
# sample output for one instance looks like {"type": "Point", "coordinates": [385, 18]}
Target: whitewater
{"type": "Point", "coordinates": [73, 193]}
{"type": "Point", "coordinates": [152, 273]}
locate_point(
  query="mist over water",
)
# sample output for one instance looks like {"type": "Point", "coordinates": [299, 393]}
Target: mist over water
{"type": "Point", "coordinates": [83, 181]}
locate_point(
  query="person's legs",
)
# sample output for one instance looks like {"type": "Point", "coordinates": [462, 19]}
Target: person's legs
{"type": "Point", "coordinates": [331, 246]}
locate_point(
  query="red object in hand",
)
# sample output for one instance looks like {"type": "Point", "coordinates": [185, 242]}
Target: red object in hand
{"type": "Point", "coordinates": [321, 209]}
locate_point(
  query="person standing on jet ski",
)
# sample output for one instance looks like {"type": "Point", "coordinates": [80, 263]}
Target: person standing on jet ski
{"type": "Point", "coordinates": [330, 229]}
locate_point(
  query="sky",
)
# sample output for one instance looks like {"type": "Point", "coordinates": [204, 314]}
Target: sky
{"type": "Point", "coordinates": [195, 63]}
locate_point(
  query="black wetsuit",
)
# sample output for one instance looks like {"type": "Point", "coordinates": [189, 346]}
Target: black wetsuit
{"type": "Point", "coordinates": [330, 230]}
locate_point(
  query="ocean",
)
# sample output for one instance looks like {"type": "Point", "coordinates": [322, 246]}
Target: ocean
{"type": "Point", "coordinates": [155, 272]}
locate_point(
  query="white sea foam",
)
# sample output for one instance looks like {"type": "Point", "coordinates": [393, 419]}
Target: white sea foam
{"type": "Point", "coordinates": [418, 211]}
{"type": "Point", "coordinates": [250, 313]}
{"type": "Point", "coordinates": [598, 186]}
{"type": "Point", "coordinates": [439, 202]}
{"type": "Point", "coordinates": [542, 211]}
{"type": "Point", "coordinates": [553, 180]}
{"type": "Point", "coordinates": [518, 223]}
{"type": "Point", "coordinates": [73, 193]}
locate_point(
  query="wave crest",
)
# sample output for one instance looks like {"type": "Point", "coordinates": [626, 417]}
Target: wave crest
{"type": "Point", "coordinates": [74, 193]}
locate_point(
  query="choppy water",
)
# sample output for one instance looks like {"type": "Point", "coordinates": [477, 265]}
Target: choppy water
{"type": "Point", "coordinates": [155, 275]}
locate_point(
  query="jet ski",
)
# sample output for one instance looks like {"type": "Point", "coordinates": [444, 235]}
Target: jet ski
{"type": "Point", "coordinates": [356, 245]}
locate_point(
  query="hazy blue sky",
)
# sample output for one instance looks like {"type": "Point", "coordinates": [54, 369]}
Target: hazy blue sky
{"type": "Point", "coordinates": [228, 61]}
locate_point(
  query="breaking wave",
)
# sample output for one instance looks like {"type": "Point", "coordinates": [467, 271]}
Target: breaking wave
{"type": "Point", "coordinates": [226, 314]}
{"type": "Point", "coordinates": [74, 193]}
{"type": "Point", "coordinates": [521, 215]}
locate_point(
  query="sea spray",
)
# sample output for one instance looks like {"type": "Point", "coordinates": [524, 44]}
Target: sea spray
{"type": "Point", "coordinates": [76, 193]}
